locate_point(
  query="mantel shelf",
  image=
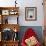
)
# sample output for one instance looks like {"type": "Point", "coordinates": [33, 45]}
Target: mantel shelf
{"type": "Point", "coordinates": [11, 26]}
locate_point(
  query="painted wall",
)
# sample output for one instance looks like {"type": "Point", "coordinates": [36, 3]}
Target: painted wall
{"type": "Point", "coordinates": [26, 3]}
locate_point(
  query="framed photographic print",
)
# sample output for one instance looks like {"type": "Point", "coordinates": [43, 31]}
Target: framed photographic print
{"type": "Point", "coordinates": [30, 13]}
{"type": "Point", "coordinates": [5, 12]}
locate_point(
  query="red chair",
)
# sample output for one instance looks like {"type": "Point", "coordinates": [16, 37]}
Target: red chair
{"type": "Point", "coordinates": [29, 33]}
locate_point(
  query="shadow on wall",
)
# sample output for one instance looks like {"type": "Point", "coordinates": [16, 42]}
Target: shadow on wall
{"type": "Point", "coordinates": [37, 29]}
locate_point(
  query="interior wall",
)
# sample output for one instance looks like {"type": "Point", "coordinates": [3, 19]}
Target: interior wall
{"type": "Point", "coordinates": [31, 3]}
{"type": "Point", "coordinates": [26, 3]}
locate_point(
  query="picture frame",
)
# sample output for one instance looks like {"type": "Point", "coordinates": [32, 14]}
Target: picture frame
{"type": "Point", "coordinates": [30, 13]}
{"type": "Point", "coordinates": [5, 12]}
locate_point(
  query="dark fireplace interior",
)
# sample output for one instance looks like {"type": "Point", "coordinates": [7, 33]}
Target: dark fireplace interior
{"type": "Point", "coordinates": [8, 34]}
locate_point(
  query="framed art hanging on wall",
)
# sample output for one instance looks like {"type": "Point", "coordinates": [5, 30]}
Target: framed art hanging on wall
{"type": "Point", "coordinates": [30, 13]}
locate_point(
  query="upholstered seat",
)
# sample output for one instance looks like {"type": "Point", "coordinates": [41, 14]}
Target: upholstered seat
{"type": "Point", "coordinates": [30, 38]}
